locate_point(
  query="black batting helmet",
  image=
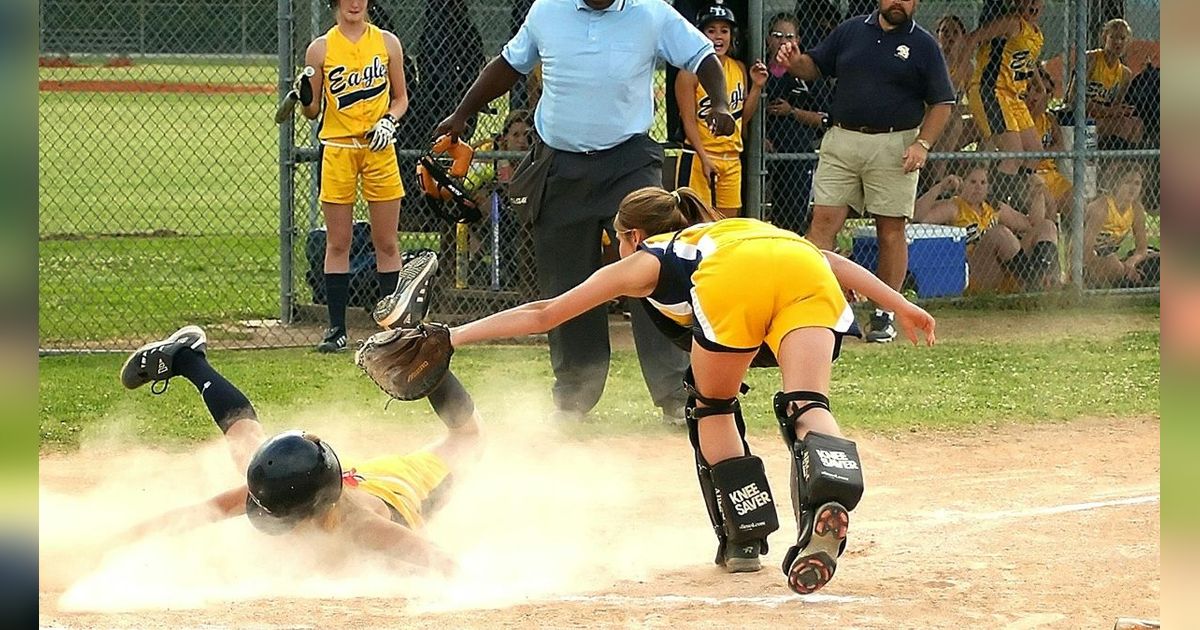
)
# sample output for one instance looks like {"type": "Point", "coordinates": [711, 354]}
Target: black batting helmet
{"type": "Point", "coordinates": [714, 12]}
{"type": "Point", "coordinates": [291, 477]}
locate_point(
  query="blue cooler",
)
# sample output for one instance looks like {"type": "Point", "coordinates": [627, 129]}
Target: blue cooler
{"type": "Point", "coordinates": [937, 257]}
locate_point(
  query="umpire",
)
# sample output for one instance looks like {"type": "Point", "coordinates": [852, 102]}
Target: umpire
{"type": "Point", "coordinates": [593, 121]}
{"type": "Point", "coordinates": [892, 101]}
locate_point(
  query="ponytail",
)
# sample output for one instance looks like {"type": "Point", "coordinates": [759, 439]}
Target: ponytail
{"type": "Point", "coordinates": [657, 211]}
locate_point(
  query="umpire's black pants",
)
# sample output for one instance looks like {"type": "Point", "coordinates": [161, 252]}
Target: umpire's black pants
{"type": "Point", "coordinates": [566, 240]}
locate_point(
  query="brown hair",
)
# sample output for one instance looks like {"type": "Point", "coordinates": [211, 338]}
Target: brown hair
{"type": "Point", "coordinates": [1113, 25]}
{"type": "Point", "coordinates": [657, 211]}
{"type": "Point", "coordinates": [953, 19]}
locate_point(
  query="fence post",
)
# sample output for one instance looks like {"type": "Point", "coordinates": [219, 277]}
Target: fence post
{"type": "Point", "coordinates": [1078, 160]}
{"type": "Point", "coordinates": [754, 152]}
{"type": "Point", "coordinates": [286, 161]}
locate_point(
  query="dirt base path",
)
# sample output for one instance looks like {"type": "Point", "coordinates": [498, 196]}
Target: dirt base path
{"type": "Point", "coordinates": [1015, 527]}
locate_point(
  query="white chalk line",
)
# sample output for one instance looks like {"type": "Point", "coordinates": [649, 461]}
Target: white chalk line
{"type": "Point", "coordinates": [951, 516]}
{"type": "Point", "coordinates": [775, 601]}
{"type": "Point", "coordinates": [769, 601]}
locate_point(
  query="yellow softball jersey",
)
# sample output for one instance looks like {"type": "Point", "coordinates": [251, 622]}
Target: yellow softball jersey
{"type": "Point", "coordinates": [1103, 78]}
{"type": "Point", "coordinates": [976, 220]}
{"type": "Point", "coordinates": [411, 485]}
{"type": "Point", "coordinates": [1118, 224]}
{"type": "Point", "coordinates": [739, 283]}
{"type": "Point", "coordinates": [735, 82]}
{"type": "Point", "coordinates": [1007, 63]}
{"type": "Point", "coordinates": [356, 92]}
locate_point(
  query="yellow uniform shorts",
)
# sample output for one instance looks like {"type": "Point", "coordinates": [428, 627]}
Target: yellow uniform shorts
{"type": "Point", "coordinates": [1059, 186]}
{"type": "Point", "coordinates": [342, 164]}
{"type": "Point", "coordinates": [690, 173]}
{"type": "Point", "coordinates": [760, 289]}
{"type": "Point", "coordinates": [412, 485]}
{"type": "Point", "coordinates": [997, 111]}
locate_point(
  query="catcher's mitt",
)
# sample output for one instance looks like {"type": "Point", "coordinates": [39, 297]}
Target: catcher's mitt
{"type": "Point", "coordinates": [407, 363]}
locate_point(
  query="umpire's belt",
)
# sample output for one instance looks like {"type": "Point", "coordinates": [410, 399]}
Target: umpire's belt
{"type": "Point", "coordinates": [870, 130]}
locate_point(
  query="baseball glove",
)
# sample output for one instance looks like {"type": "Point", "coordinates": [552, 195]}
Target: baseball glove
{"type": "Point", "coordinates": [407, 363]}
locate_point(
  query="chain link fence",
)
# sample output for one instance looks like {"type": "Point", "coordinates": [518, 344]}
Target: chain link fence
{"type": "Point", "coordinates": [168, 196]}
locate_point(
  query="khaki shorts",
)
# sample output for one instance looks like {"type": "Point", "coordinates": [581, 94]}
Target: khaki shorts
{"type": "Point", "coordinates": [866, 172]}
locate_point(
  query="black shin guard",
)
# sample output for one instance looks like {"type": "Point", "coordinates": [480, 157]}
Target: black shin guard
{"type": "Point", "coordinates": [736, 492]}
{"type": "Point", "coordinates": [824, 468]}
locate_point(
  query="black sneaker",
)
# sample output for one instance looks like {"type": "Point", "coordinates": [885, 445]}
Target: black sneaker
{"type": "Point", "coordinates": [153, 362]}
{"type": "Point", "coordinates": [334, 341]}
{"type": "Point", "coordinates": [812, 562]}
{"type": "Point", "coordinates": [882, 328]}
{"type": "Point", "coordinates": [742, 558]}
{"type": "Point", "coordinates": [409, 303]}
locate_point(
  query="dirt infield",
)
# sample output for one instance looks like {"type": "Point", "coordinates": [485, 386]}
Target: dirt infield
{"type": "Point", "coordinates": [151, 87]}
{"type": "Point", "coordinates": [1013, 527]}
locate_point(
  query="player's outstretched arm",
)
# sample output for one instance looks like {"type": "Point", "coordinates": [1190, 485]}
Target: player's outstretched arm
{"type": "Point", "coordinates": [910, 316]}
{"type": "Point", "coordinates": [380, 534]}
{"type": "Point", "coordinates": [225, 505]}
{"type": "Point", "coordinates": [634, 276]}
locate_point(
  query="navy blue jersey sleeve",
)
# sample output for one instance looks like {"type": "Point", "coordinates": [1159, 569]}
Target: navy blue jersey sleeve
{"type": "Point", "coordinates": [938, 88]}
{"type": "Point", "coordinates": [825, 54]}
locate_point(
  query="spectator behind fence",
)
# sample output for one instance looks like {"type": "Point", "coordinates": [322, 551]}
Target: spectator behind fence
{"type": "Point", "coordinates": [710, 164]}
{"type": "Point", "coordinates": [1117, 123]}
{"type": "Point", "coordinates": [1111, 220]}
{"type": "Point", "coordinates": [593, 122]}
{"type": "Point", "coordinates": [891, 103]}
{"type": "Point", "coordinates": [1008, 47]}
{"type": "Point", "coordinates": [999, 261]}
{"type": "Point", "coordinates": [796, 115]}
{"type": "Point", "coordinates": [360, 77]}
{"type": "Point", "coordinates": [1057, 186]}
{"type": "Point", "coordinates": [952, 39]}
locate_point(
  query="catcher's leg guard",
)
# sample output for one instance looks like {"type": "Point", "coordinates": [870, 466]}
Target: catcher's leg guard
{"type": "Point", "coordinates": [826, 483]}
{"type": "Point", "coordinates": [735, 491]}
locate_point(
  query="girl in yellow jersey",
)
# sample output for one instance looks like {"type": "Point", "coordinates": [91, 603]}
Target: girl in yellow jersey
{"type": "Point", "coordinates": [710, 163]}
{"type": "Point", "coordinates": [295, 483]}
{"type": "Point", "coordinates": [1008, 49]}
{"type": "Point", "coordinates": [1058, 186]}
{"type": "Point", "coordinates": [998, 259]}
{"type": "Point", "coordinates": [1110, 221]}
{"type": "Point", "coordinates": [1107, 82]}
{"type": "Point", "coordinates": [736, 291]}
{"type": "Point", "coordinates": [360, 77]}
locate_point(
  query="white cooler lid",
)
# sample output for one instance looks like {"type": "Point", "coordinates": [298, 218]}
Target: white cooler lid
{"type": "Point", "coordinates": [914, 231]}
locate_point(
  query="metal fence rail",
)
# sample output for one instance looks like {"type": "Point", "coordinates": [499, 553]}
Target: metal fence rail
{"type": "Point", "coordinates": [168, 196]}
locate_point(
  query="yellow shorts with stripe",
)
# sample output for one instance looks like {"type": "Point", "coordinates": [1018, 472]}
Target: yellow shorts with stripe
{"type": "Point", "coordinates": [689, 172]}
{"type": "Point", "coordinates": [997, 111]}
{"type": "Point", "coordinates": [1059, 186]}
{"type": "Point", "coordinates": [413, 485]}
{"type": "Point", "coordinates": [343, 163]}
{"type": "Point", "coordinates": [760, 289]}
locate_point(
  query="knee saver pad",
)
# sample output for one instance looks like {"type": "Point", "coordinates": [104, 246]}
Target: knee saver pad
{"type": "Point", "coordinates": [744, 498]}
{"type": "Point", "coordinates": [828, 470]}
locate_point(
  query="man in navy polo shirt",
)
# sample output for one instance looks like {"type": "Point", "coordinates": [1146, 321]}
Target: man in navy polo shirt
{"type": "Point", "coordinates": [892, 101]}
{"type": "Point", "coordinates": [593, 121]}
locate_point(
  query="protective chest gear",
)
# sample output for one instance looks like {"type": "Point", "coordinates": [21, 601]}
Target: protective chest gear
{"type": "Point", "coordinates": [291, 477]}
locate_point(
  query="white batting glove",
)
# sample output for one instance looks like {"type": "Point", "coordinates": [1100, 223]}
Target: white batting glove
{"type": "Point", "coordinates": [383, 133]}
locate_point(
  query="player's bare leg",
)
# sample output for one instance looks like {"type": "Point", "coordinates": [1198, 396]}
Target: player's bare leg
{"type": "Point", "coordinates": [733, 482]}
{"type": "Point", "coordinates": [826, 473]}
{"type": "Point", "coordinates": [339, 226]}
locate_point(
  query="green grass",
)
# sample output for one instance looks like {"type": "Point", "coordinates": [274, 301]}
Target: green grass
{"type": "Point", "coordinates": [216, 72]}
{"type": "Point", "coordinates": [962, 382]}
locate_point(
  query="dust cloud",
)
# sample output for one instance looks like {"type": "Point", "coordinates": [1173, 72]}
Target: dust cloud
{"type": "Point", "coordinates": [538, 516]}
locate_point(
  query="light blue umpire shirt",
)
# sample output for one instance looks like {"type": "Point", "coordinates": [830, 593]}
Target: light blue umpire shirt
{"type": "Point", "coordinates": [598, 67]}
